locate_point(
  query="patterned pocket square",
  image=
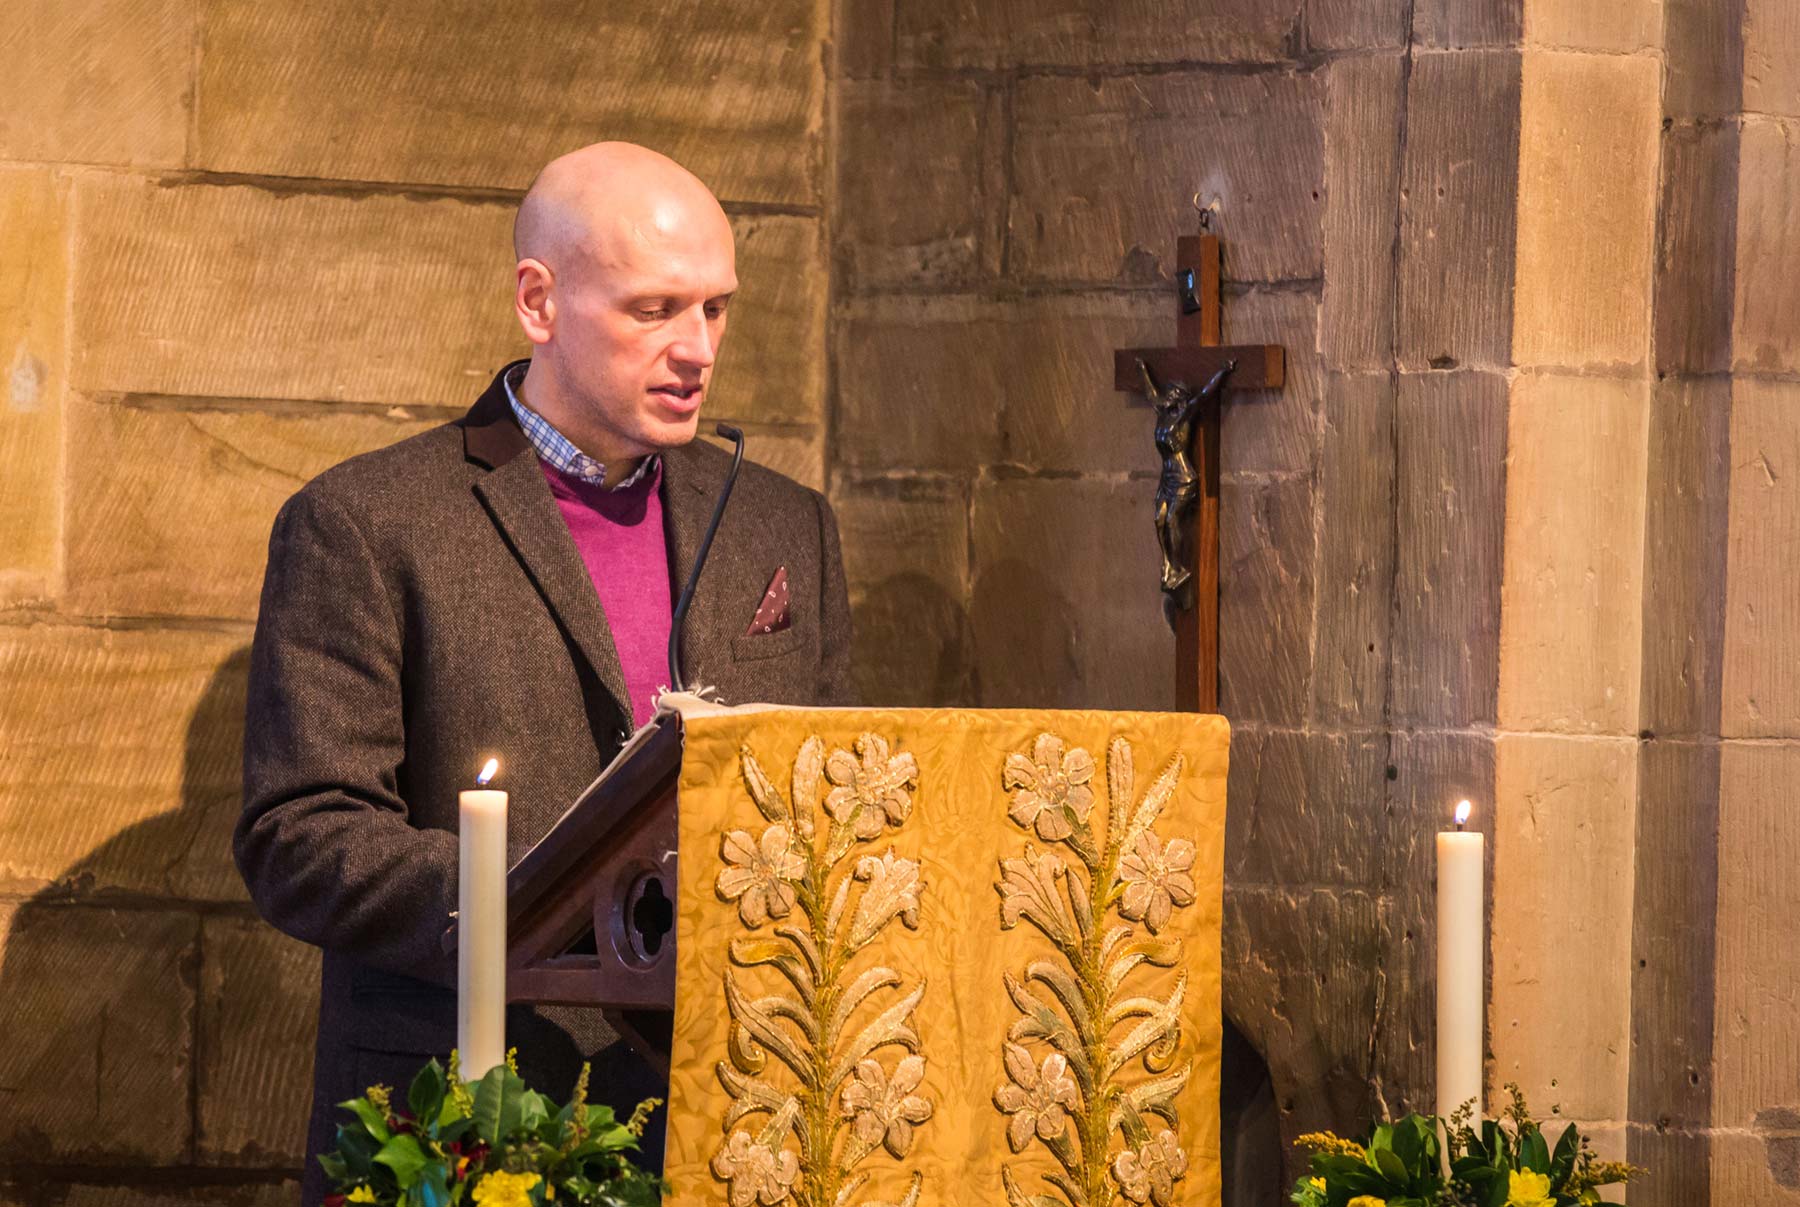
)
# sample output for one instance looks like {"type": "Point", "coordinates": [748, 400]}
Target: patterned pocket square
{"type": "Point", "coordinates": [772, 613]}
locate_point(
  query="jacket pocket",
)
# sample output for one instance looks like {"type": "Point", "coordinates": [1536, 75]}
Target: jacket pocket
{"type": "Point", "coordinates": [753, 647]}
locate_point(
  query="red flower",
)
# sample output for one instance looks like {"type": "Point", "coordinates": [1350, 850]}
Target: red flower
{"type": "Point", "coordinates": [334, 1200]}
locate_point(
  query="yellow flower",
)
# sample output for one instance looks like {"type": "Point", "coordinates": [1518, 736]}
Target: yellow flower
{"type": "Point", "coordinates": [1527, 1189]}
{"type": "Point", "coordinates": [502, 1189]}
{"type": "Point", "coordinates": [1317, 1184]}
{"type": "Point", "coordinates": [1366, 1200]}
{"type": "Point", "coordinates": [362, 1194]}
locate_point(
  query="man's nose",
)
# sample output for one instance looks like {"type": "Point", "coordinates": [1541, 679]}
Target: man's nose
{"type": "Point", "coordinates": [694, 343]}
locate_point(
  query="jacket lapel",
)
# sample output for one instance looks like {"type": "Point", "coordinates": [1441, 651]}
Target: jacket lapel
{"type": "Point", "coordinates": [519, 500]}
{"type": "Point", "coordinates": [692, 477]}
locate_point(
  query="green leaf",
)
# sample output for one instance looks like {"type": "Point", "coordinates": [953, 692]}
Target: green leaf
{"type": "Point", "coordinates": [426, 1097]}
{"type": "Point", "coordinates": [357, 1148]}
{"type": "Point", "coordinates": [373, 1121]}
{"type": "Point", "coordinates": [333, 1166]}
{"type": "Point", "coordinates": [403, 1155]}
{"type": "Point", "coordinates": [498, 1102]}
{"type": "Point", "coordinates": [1498, 1188]}
{"type": "Point", "coordinates": [1391, 1166]}
{"type": "Point", "coordinates": [1409, 1142]}
{"type": "Point", "coordinates": [1533, 1153]}
{"type": "Point", "coordinates": [434, 1187]}
{"type": "Point", "coordinates": [534, 1109]}
{"type": "Point", "coordinates": [1567, 1149]}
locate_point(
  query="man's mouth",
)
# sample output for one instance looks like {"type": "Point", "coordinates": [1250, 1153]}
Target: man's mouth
{"type": "Point", "coordinates": [678, 392]}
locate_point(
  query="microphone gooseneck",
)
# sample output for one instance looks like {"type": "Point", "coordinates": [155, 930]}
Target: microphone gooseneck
{"type": "Point", "coordinates": [679, 619]}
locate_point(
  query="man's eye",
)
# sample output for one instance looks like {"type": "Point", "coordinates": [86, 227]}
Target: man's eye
{"type": "Point", "coordinates": [653, 314]}
{"type": "Point", "coordinates": [715, 309]}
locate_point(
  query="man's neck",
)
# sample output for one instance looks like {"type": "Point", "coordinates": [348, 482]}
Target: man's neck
{"type": "Point", "coordinates": [542, 393]}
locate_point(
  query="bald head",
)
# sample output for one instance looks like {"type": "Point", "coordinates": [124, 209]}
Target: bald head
{"type": "Point", "coordinates": [604, 202]}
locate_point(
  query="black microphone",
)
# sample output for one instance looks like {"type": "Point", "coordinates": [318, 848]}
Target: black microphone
{"type": "Point", "coordinates": [687, 594]}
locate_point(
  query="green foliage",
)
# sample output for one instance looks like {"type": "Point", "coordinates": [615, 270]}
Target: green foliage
{"type": "Point", "coordinates": [452, 1136]}
{"type": "Point", "coordinates": [1507, 1162]}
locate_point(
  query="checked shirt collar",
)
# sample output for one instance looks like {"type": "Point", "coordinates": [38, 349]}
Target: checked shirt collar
{"type": "Point", "coordinates": [556, 449]}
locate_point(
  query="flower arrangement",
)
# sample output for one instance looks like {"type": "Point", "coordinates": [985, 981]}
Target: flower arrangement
{"type": "Point", "coordinates": [492, 1143]}
{"type": "Point", "coordinates": [1508, 1163]}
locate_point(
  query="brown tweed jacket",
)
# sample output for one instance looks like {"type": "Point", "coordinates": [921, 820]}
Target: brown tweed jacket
{"type": "Point", "coordinates": [423, 608]}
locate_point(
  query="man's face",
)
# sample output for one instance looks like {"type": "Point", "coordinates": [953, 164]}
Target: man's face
{"type": "Point", "coordinates": [639, 321]}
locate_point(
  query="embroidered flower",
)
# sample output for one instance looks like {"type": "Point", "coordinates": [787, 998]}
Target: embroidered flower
{"type": "Point", "coordinates": [872, 788]}
{"type": "Point", "coordinates": [758, 875]}
{"type": "Point", "coordinates": [1049, 786]}
{"type": "Point", "coordinates": [757, 1173]}
{"type": "Point", "coordinates": [1157, 878]}
{"type": "Point", "coordinates": [502, 1189]}
{"type": "Point", "coordinates": [1038, 1098]}
{"type": "Point", "coordinates": [1148, 1174]}
{"type": "Point", "coordinates": [1027, 889]}
{"type": "Point", "coordinates": [893, 891]}
{"type": "Point", "coordinates": [885, 1109]}
{"type": "Point", "coordinates": [1527, 1189]}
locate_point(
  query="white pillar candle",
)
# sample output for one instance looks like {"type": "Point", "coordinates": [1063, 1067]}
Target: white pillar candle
{"type": "Point", "coordinates": [1461, 930]}
{"type": "Point", "coordinates": [481, 930]}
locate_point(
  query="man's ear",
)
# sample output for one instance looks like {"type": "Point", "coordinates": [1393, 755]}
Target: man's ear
{"type": "Point", "coordinates": [532, 300]}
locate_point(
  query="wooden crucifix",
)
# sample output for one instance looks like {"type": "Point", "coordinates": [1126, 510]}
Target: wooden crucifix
{"type": "Point", "coordinates": [1184, 384]}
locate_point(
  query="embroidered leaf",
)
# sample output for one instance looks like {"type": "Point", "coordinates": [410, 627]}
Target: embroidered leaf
{"type": "Point", "coordinates": [1160, 791]}
{"type": "Point", "coordinates": [756, 1028]}
{"type": "Point", "coordinates": [912, 1195]}
{"type": "Point", "coordinates": [762, 791]}
{"type": "Point", "coordinates": [1079, 901]}
{"type": "Point", "coordinates": [889, 1027]}
{"type": "Point", "coordinates": [1119, 785]}
{"type": "Point", "coordinates": [835, 914]}
{"type": "Point", "coordinates": [778, 954]}
{"type": "Point", "coordinates": [781, 1006]}
{"type": "Point", "coordinates": [1161, 952]}
{"type": "Point", "coordinates": [1066, 990]}
{"type": "Point", "coordinates": [809, 767]}
{"type": "Point", "coordinates": [865, 984]}
{"type": "Point", "coordinates": [750, 1096]}
{"type": "Point", "coordinates": [804, 945]}
{"type": "Point", "coordinates": [1158, 1022]}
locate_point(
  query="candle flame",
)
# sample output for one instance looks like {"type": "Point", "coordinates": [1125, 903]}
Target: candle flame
{"type": "Point", "coordinates": [487, 772]}
{"type": "Point", "coordinates": [1463, 810]}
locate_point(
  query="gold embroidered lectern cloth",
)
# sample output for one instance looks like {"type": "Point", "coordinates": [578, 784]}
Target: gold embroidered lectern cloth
{"type": "Point", "coordinates": [948, 957]}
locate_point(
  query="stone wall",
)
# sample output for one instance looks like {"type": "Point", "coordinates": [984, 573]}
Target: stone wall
{"type": "Point", "coordinates": [238, 243]}
{"type": "Point", "coordinates": [1011, 179]}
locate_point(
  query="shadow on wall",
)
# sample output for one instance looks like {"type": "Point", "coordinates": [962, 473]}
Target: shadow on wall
{"type": "Point", "coordinates": [153, 1035]}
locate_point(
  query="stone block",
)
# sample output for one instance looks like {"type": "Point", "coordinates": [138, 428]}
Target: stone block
{"type": "Point", "coordinates": [33, 285]}
{"type": "Point", "coordinates": [169, 511]}
{"type": "Point", "coordinates": [921, 182]}
{"type": "Point", "coordinates": [1682, 1163]}
{"type": "Point", "coordinates": [1771, 60]}
{"type": "Point", "coordinates": [1302, 977]}
{"type": "Point", "coordinates": [1273, 431]}
{"type": "Point", "coordinates": [485, 97]}
{"type": "Point", "coordinates": [862, 34]}
{"type": "Point", "coordinates": [1065, 608]}
{"type": "Point", "coordinates": [1267, 537]}
{"type": "Point", "coordinates": [1450, 501]}
{"type": "Point", "coordinates": [798, 452]}
{"type": "Point", "coordinates": [1571, 651]}
{"type": "Point", "coordinates": [98, 1008]}
{"type": "Point", "coordinates": [1703, 54]}
{"type": "Point", "coordinates": [1630, 27]}
{"type": "Point", "coordinates": [1458, 211]}
{"type": "Point", "coordinates": [1088, 33]}
{"type": "Point", "coordinates": [1356, 24]}
{"type": "Point", "coordinates": [1352, 623]}
{"type": "Point", "coordinates": [1762, 610]}
{"type": "Point", "coordinates": [1103, 169]}
{"type": "Point", "coordinates": [1459, 24]}
{"type": "Point", "coordinates": [1588, 157]}
{"type": "Point", "coordinates": [906, 554]}
{"type": "Point", "coordinates": [1768, 246]}
{"type": "Point", "coordinates": [1364, 98]}
{"type": "Point", "coordinates": [1688, 480]}
{"type": "Point", "coordinates": [259, 1007]}
{"type": "Point", "coordinates": [1306, 808]}
{"type": "Point", "coordinates": [123, 760]}
{"type": "Point", "coordinates": [167, 300]}
{"type": "Point", "coordinates": [1696, 254]}
{"type": "Point", "coordinates": [1673, 912]}
{"type": "Point", "coordinates": [1561, 918]}
{"type": "Point", "coordinates": [956, 383]}
{"type": "Point", "coordinates": [1403, 1069]}
{"type": "Point", "coordinates": [1756, 1045]}
{"type": "Point", "coordinates": [1758, 1168]}
{"type": "Point", "coordinates": [98, 81]}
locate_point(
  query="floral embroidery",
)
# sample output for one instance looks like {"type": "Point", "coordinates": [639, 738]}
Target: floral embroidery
{"type": "Point", "coordinates": [885, 1109]}
{"type": "Point", "coordinates": [827, 1102]}
{"type": "Point", "coordinates": [758, 875]}
{"type": "Point", "coordinates": [757, 1173]}
{"type": "Point", "coordinates": [1109, 1064]}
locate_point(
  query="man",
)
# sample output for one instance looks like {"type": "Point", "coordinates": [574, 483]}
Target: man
{"type": "Point", "coordinates": [501, 585]}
